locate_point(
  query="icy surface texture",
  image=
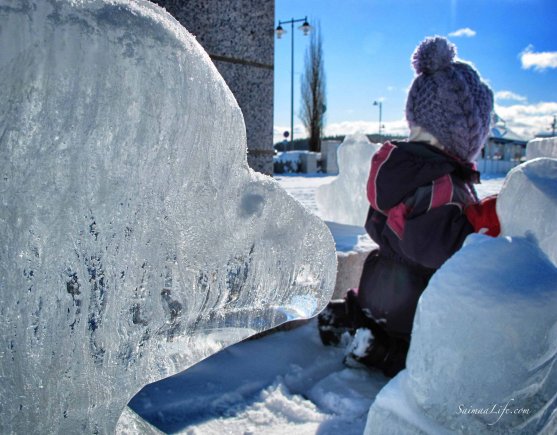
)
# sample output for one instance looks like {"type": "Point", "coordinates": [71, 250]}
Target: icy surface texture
{"type": "Point", "coordinates": [344, 200]}
{"type": "Point", "coordinates": [132, 424]}
{"type": "Point", "coordinates": [135, 239]}
{"type": "Point", "coordinates": [541, 148]}
{"type": "Point", "coordinates": [527, 205]}
{"type": "Point", "coordinates": [483, 357]}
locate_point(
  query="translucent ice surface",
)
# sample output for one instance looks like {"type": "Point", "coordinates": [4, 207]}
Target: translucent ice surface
{"type": "Point", "coordinates": [483, 357]}
{"type": "Point", "coordinates": [135, 239]}
{"type": "Point", "coordinates": [344, 200]}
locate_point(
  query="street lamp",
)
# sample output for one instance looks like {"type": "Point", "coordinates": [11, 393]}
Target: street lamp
{"type": "Point", "coordinates": [306, 28]}
{"type": "Point", "coordinates": [380, 104]}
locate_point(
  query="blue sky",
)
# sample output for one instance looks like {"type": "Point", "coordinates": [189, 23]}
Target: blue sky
{"type": "Point", "coordinates": [367, 46]}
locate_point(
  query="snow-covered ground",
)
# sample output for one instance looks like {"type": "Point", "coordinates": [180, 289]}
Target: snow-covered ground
{"type": "Point", "coordinates": [303, 187]}
{"type": "Point", "coordinates": [283, 383]}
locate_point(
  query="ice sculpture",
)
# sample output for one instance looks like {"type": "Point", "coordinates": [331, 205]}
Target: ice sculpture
{"type": "Point", "coordinates": [135, 239]}
{"type": "Point", "coordinates": [541, 147]}
{"type": "Point", "coordinates": [483, 357]}
{"type": "Point", "coordinates": [532, 214]}
{"type": "Point", "coordinates": [344, 200]}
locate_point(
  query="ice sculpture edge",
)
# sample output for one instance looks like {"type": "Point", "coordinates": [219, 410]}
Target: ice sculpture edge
{"type": "Point", "coordinates": [136, 240]}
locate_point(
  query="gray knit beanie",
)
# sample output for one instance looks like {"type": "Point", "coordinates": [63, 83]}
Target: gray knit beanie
{"type": "Point", "coordinates": [448, 99]}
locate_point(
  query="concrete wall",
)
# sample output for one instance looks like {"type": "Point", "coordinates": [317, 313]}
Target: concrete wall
{"type": "Point", "coordinates": [239, 37]}
{"type": "Point", "coordinates": [329, 152]}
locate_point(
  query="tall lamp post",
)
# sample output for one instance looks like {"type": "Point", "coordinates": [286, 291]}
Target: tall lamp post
{"type": "Point", "coordinates": [380, 104]}
{"type": "Point", "coordinates": [280, 31]}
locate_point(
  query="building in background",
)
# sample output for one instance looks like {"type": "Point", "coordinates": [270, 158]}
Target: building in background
{"type": "Point", "coordinates": [503, 150]}
{"type": "Point", "coordinates": [239, 37]}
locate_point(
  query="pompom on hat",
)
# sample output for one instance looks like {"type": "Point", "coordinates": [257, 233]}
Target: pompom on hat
{"type": "Point", "coordinates": [449, 99]}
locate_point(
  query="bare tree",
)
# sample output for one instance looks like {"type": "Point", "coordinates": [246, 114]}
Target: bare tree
{"type": "Point", "coordinates": [312, 112]}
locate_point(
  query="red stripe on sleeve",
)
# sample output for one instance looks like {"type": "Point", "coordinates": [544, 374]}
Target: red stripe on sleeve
{"type": "Point", "coordinates": [378, 159]}
{"type": "Point", "coordinates": [396, 219]}
{"type": "Point", "coordinates": [441, 192]}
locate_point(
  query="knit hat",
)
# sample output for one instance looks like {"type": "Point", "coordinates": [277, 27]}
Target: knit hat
{"type": "Point", "coordinates": [449, 99]}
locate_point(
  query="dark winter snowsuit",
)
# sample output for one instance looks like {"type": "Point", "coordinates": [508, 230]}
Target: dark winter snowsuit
{"type": "Point", "coordinates": [417, 195]}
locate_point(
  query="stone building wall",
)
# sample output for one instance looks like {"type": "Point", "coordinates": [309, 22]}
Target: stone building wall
{"type": "Point", "coordinates": [239, 37]}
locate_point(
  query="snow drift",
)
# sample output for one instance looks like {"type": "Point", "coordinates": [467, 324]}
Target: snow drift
{"type": "Point", "coordinates": [483, 357]}
{"type": "Point", "coordinates": [135, 239]}
{"type": "Point", "coordinates": [344, 200]}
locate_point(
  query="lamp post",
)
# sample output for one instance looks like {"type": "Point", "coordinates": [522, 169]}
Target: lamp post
{"type": "Point", "coordinates": [380, 104]}
{"type": "Point", "coordinates": [280, 31]}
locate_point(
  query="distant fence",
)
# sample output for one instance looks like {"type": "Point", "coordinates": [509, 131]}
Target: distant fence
{"type": "Point", "coordinates": [496, 166]}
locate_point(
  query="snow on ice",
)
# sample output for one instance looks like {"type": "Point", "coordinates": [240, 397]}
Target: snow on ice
{"type": "Point", "coordinates": [136, 240]}
{"type": "Point", "coordinates": [483, 357]}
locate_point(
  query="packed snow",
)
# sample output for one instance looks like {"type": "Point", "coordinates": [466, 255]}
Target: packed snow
{"type": "Point", "coordinates": [284, 383]}
{"type": "Point", "coordinates": [135, 239]}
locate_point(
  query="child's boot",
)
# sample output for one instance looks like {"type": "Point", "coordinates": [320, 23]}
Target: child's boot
{"type": "Point", "coordinates": [366, 350]}
{"type": "Point", "coordinates": [333, 322]}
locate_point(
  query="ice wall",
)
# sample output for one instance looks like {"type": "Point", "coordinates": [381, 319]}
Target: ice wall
{"type": "Point", "coordinates": [135, 239]}
{"type": "Point", "coordinates": [541, 147]}
{"type": "Point", "coordinates": [344, 200]}
{"type": "Point", "coordinates": [483, 357]}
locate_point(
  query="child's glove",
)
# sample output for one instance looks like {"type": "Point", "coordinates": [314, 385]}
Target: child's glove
{"type": "Point", "coordinates": [483, 216]}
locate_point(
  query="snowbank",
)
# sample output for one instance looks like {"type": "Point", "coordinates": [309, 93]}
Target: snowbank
{"type": "Point", "coordinates": [483, 357]}
{"type": "Point", "coordinates": [135, 239]}
{"type": "Point", "coordinates": [541, 147]}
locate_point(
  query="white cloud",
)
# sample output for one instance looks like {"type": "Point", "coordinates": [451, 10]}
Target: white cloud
{"type": "Point", "coordinates": [398, 128]}
{"type": "Point", "coordinates": [538, 61]}
{"type": "Point", "coordinates": [528, 119]}
{"type": "Point", "coordinates": [464, 32]}
{"type": "Point", "coordinates": [509, 96]}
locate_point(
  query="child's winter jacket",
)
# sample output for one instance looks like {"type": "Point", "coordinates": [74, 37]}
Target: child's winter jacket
{"type": "Point", "coordinates": [418, 195]}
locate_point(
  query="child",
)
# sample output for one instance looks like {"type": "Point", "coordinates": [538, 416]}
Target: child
{"type": "Point", "coordinates": [422, 206]}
